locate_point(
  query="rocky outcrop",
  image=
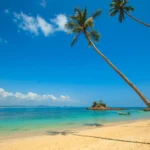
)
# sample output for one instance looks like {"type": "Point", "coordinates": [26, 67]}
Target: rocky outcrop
{"type": "Point", "coordinates": [103, 108]}
{"type": "Point", "coordinates": [146, 109]}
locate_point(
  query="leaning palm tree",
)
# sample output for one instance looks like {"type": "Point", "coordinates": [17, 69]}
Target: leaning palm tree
{"type": "Point", "coordinates": [80, 23]}
{"type": "Point", "coordinates": [120, 6]}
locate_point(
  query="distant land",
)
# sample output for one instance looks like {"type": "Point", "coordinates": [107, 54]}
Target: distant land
{"type": "Point", "coordinates": [102, 106]}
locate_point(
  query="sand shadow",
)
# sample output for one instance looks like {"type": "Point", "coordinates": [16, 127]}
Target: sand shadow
{"type": "Point", "coordinates": [93, 124]}
{"type": "Point", "coordinates": [60, 132]}
{"type": "Point", "coordinates": [67, 132]}
{"type": "Point", "coordinates": [136, 126]}
{"type": "Point", "coordinates": [111, 139]}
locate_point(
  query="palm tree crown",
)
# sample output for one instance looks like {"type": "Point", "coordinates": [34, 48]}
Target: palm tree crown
{"type": "Point", "coordinates": [120, 6]}
{"type": "Point", "coordinates": [80, 23]}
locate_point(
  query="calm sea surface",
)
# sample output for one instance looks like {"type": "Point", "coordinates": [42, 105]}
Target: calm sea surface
{"type": "Point", "coordinates": [33, 119]}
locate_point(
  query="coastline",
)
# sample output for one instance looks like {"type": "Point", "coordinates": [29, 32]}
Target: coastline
{"type": "Point", "coordinates": [41, 132]}
{"type": "Point", "coordinates": [134, 135]}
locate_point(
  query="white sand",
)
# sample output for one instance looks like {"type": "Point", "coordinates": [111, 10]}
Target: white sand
{"type": "Point", "coordinates": [129, 136]}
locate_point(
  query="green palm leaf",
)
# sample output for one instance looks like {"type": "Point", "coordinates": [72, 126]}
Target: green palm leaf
{"type": "Point", "coordinates": [120, 6]}
{"type": "Point", "coordinates": [78, 11]}
{"type": "Point", "coordinates": [81, 23]}
{"type": "Point", "coordinates": [89, 22]}
{"type": "Point", "coordinates": [71, 25]}
{"type": "Point", "coordinates": [75, 39]}
{"type": "Point", "coordinates": [96, 13]}
{"type": "Point", "coordinates": [128, 8]}
{"type": "Point", "coordinates": [114, 13]}
{"type": "Point", "coordinates": [85, 14]}
{"type": "Point", "coordinates": [94, 35]}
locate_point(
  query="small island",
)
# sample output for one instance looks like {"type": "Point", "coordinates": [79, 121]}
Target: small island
{"type": "Point", "coordinates": [101, 106]}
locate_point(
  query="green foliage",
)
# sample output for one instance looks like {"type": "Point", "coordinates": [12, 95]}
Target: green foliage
{"type": "Point", "coordinates": [81, 23]}
{"type": "Point", "coordinates": [95, 104]}
{"type": "Point", "coordinates": [101, 103]}
{"type": "Point", "coordinates": [120, 6]}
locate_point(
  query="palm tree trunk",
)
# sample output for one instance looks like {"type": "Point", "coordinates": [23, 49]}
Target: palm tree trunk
{"type": "Point", "coordinates": [137, 19]}
{"type": "Point", "coordinates": [120, 73]}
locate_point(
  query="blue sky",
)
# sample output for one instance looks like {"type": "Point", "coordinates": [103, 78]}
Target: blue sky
{"type": "Point", "coordinates": [38, 66]}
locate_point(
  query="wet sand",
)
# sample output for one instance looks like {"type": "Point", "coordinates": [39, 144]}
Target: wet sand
{"type": "Point", "coordinates": [126, 136]}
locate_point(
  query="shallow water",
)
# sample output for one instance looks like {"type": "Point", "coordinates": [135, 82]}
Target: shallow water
{"type": "Point", "coordinates": [26, 120]}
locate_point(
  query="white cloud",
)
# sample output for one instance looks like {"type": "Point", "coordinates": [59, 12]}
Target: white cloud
{"type": "Point", "coordinates": [26, 23]}
{"type": "Point", "coordinates": [43, 3]}
{"type": "Point", "coordinates": [65, 98]}
{"type": "Point", "coordinates": [6, 11]}
{"type": "Point", "coordinates": [32, 96]}
{"type": "Point", "coordinates": [3, 41]}
{"type": "Point", "coordinates": [5, 94]}
{"type": "Point", "coordinates": [45, 27]}
{"type": "Point", "coordinates": [36, 24]}
{"type": "Point", "coordinates": [60, 21]}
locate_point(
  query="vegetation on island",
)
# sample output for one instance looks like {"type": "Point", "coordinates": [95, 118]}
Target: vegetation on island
{"type": "Point", "coordinates": [82, 23]}
{"type": "Point", "coordinates": [99, 104]}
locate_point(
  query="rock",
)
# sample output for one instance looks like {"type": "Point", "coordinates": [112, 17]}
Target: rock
{"type": "Point", "coordinates": [103, 108]}
{"type": "Point", "coordinates": [146, 109]}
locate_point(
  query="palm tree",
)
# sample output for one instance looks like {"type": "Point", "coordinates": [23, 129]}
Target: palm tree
{"type": "Point", "coordinates": [79, 24]}
{"type": "Point", "coordinates": [95, 104]}
{"type": "Point", "coordinates": [120, 6]}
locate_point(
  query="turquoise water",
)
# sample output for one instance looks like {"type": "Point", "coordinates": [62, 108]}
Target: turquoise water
{"type": "Point", "coordinates": [25, 120]}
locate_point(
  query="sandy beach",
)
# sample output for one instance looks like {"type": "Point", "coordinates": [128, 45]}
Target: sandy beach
{"type": "Point", "coordinates": [126, 136]}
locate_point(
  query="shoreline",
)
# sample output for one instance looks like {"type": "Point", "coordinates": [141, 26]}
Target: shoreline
{"type": "Point", "coordinates": [133, 135]}
{"type": "Point", "coordinates": [76, 129]}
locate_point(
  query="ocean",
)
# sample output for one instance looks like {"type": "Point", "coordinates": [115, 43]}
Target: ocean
{"type": "Point", "coordinates": [24, 120]}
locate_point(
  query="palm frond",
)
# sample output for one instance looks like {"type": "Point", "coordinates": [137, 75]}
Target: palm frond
{"type": "Point", "coordinates": [80, 23]}
{"type": "Point", "coordinates": [121, 17]}
{"type": "Point", "coordinates": [77, 29]}
{"type": "Point", "coordinates": [112, 9]}
{"type": "Point", "coordinates": [114, 13]}
{"type": "Point", "coordinates": [71, 25]}
{"type": "Point", "coordinates": [94, 35]}
{"type": "Point", "coordinates": [73, 17]}
{"type": "Point", "coordinates": [89, 22]}
{"type": "Point", "coordinates": [112, 5]}
{"type": "Point", "coordinates": [78, 11]}
{"type": "Point", "coordinates": [128, 8]}
{"type": "Point", "coordinates": [124, 2]}
{"type": "Point", "coordinates": [85, 14]}
{"type": "Point", "coordinates": [96, 13]}
{"type": "Point", "coordinates": [75, 39]}
{"type": "Point", "coordinates": [79, 15]}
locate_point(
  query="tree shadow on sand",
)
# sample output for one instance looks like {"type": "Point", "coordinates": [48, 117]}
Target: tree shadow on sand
{"type": "Point", "coordinates": [93, 124]}
{"type": "Point", "coordinates": [68, 132]}
{"type": "Point", "coordinates": [136, 126]}
{"type": "Point", "coordinates": [111, 139]}
{"type": "Point", "coordinates": [60, 132]}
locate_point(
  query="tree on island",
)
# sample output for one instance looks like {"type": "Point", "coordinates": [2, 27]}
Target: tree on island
{"type": "Point", "coordinates": [95, 104]}
{"type": "Point", "coordinates": [81, 23]}
{"type": "Point", "coordinates": [101, 103]}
